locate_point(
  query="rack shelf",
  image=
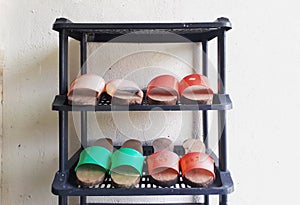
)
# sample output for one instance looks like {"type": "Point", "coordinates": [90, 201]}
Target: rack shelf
{"type": "Point", "coordinates": [67, 184]}
{"type": "Point", "coordinates": [143, 32]}
{"type": "Point", "coordinates": [220, 102]}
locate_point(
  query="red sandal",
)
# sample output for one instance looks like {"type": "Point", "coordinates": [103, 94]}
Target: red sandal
{"type": "Point", "coordinates": [163, 90]}
{"type": "Point", "coordinates": [195, 88]}
{"type": "Point", "coordinates": [197, 169]}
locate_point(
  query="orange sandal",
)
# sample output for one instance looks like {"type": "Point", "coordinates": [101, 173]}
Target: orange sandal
{"type": "Point", "coordinates": [195, 88]}
{"type": "Point", "coordinates": [197, 169]}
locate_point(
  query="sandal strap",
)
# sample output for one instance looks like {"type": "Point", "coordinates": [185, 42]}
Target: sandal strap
{"type": "Point", "coordinates": [95, 155]}
{"type": "Point", "coordinates": [127, 157]}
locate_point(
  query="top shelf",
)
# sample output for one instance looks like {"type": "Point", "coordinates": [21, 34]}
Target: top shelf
{"type": "Point", "coordinates": [143, 32]}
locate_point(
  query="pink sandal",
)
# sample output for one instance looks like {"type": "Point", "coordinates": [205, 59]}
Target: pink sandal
{"type": "Point", "coordinates": [85, 90]}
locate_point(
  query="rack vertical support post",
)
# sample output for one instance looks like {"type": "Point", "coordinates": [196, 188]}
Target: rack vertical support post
{"type": "Point", "coordinates": [204, 112]}
{"type": "Point", "coordinates": [222, 113]}
{"type": "Point", "coordinates": [83, 70]}
{"type": "Point", "coordinates": [63, 115]}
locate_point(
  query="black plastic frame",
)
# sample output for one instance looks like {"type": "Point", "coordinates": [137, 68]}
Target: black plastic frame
{"type": "Point", "coordinates": [141, 33]}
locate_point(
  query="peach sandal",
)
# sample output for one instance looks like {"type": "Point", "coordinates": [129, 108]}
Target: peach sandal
{"type": "Point", "coordinates": [124, 92]}
{"type": "Point", "coordinates": [163, 166]}
{"type": "Point", "coordinates": [85, 90]}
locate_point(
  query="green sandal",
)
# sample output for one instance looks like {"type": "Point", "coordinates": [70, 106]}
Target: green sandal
{"type": "Point", "coordinates": [94, 163]}
{"type": "Point", "coordinates": [127, 164]}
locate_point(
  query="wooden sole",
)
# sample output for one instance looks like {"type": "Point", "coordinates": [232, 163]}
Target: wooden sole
{"type": "Point", "coordinates": [162, 100]}
{"type": "Point", "coordinates": [124, 181]}
{"type": "Point", "coordinates": [90, 175]}
{"type": "Point", "coordinates": [198, 179]}
{"type": "Point", "coordinates": [165, 178]}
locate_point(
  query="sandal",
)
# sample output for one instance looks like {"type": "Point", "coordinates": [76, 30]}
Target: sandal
{"type": "Point", "coordinates": [163, 90]}
{"type": "Point", "coordinates": [197, 167]}
{"type": "Point", "coordinates": [85, 90]}
{"type": "Point", "coordinates": [94, 162]}
{"type": "Point", "coordinates": [124, 92]}
{"type": "Point", "coordinates": [195, 88]}
{"type": "Point", "coordinates": [127, 164]}
{"type": "Point", "coordinates": [163, 166]}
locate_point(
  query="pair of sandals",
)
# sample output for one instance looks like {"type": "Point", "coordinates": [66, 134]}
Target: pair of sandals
{"type": "Point", "coordinates": [197, 168]}
{"type": "Point", "coordinates": [163, 89]}
{"type": "Point", "coordinates": [166, 89]}
{"type": "Point", "coordinates": [86, 90]}
{"type": "Point", "coordinates": [124, 165]}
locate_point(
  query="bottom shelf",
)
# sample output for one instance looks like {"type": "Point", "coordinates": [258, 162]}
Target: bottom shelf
{"type": "Point", "coordinates": [147, 204]}
{"type": "Point", "coordinates": [65, 184]}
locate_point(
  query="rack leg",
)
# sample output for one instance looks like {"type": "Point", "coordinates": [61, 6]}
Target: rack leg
{"type": "Point", "coordinates": [206, 200]}
{"type": "Point", "coordinates": [63, 88]}
{"type": "Point", "coordinates": [83, 57]}
{"type": "Point", "coordinates": [63, 200]}
{"type": "Point", "coordinates": [63, 141]}
{"type": "Point", "coordinates": [83, 200]}
{"type": "Point", "coordinates": [223, 199]}
{"type": "Point", "coordinates": [205, 72]}
{"type": "Point", "coordinates": [222, 113]}
{"type": "Point", "coordinates": [83, 129]}
{"type": "Point", "coordinates": [63, 62]}
{"type": "Point", "coordinates": [63, 115]}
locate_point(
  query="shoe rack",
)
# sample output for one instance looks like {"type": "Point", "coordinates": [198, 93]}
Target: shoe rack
{"type": "Point", "coordinates": [64, 183]}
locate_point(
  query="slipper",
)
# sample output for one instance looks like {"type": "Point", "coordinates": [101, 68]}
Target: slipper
{"type": "Point", "coordinates": [124, 92]}
{"type": "Point", "coordinates": [197, 167]}
{"type": "Point", "coordinates": [85, 90]}
{"type": "Point", "coordinates": [94, 162]}
{"type": "Point", "coordinates": [163, 166]}
{"type": "Point", "coordinates": [195, 88]}
{"type": "Point", "coordinates": [163, 90]}
{"type": "Point", "coordinates": [127, 164]}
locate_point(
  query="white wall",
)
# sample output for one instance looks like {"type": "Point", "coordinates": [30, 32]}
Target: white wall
{"type": "Point", "coordinates": [262, 62]}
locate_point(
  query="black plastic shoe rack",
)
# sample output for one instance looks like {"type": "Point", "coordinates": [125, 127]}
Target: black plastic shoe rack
{"type": "Point", "coordinates": [64, 183]}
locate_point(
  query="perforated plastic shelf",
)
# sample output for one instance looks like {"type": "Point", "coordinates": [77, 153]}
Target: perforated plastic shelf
{"type": "Point", "coordinates": [220, 102]}
{"type": "Point", "coordinates": [67, 184]}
